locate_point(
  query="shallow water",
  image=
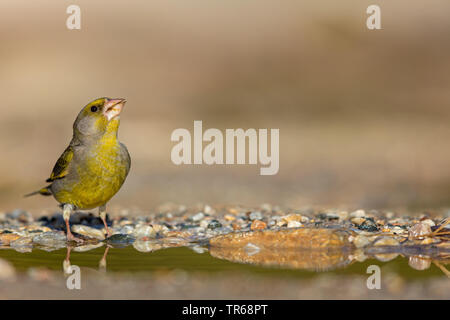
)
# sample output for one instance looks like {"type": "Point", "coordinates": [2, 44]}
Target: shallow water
{"type": "Point", "coordinates": [130, 261]}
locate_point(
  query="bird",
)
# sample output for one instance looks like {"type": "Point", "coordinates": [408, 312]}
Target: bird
{"type": "Point", "coordinates": [94, 166]}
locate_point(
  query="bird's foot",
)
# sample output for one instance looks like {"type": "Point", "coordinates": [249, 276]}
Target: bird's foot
{"type": "Point", "coordinates": [108, 233]}
{"type": "Point", "coordinates": [71, 237]}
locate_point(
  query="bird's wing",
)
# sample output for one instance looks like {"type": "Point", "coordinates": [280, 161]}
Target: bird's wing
{"type": "Point", "coordinates": [60, 169]}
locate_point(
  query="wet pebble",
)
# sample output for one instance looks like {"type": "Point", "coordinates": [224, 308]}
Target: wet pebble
{"type": "Point", "coordinates": [52, 239]}
{"type": "Point", "coordinates": [120, 239]}
{"type": "Point", "coordinates": [418, 230]}
{"type": "Point", "coordinates": [7, 238]}
{"type": "Point", "coordinates": [361, 241]}
{"type": "Point", "coordinates": [144, 231]}
{"type": "Point", "coordinates": [88, 232]}
{"type": "Point", "coordinates": [386, 241]}
{"type": "Point", "coordinates": [22, 242]}
{"type": "Point", "coordinates": [419, 263]}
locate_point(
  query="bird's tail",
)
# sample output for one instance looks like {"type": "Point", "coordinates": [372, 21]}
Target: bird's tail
{"type": "Point", "coordinates": [44, 191]}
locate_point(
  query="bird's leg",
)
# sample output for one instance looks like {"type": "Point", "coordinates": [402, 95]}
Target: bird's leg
{"type": "Point", "coordinates": [67, 210]}
{"type": "Point", "coordinates": [102, 211]}
{"type": "Point", "coordinates": [66, 263]}
{"type": "Point", "coordinates": [102, 263]}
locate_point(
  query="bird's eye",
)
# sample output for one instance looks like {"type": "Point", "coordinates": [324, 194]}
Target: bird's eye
{"type": "Point", "coordinates": [94, 109]}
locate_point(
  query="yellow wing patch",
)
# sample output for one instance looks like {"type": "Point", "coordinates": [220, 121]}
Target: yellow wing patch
{"type": "Point", "coordinates": [60, 169]}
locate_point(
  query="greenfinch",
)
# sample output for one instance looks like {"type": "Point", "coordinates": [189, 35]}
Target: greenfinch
{"type": "Point", "coordinates": [94, 166]}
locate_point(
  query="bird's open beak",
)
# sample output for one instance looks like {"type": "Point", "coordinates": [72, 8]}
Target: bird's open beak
{"type": "Point", "coordinates": [113, 107]}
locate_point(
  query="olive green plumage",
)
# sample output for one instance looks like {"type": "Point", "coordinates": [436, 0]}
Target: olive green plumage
{"type": "Point", "coordinates": [94, 166]}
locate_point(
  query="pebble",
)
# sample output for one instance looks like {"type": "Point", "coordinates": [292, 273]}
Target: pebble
{"type": "Point", "coordinates": [386, 241]}
{"type": "Point", "coordinates": [199, 216]}
{"type": "Point", "coordinates": [256, 215]}
{"type": "Point", "coordinates": [144, 231]}
{"type": "Point", "coordinates": [229, 217]}
{"type": "Point", "coordinates": [209, 210]}
{"type": "Point", "coordinates": [361, 241]}
{"type": "Point", "coordinates": [358, 214]}
{"type": "Point", "coordinates": [258, 225]}
{"type": "Point", "coordinates": [120, 239]}
{"type": "Point", "coordinates": [51, 239]}
{"type": "Point", "coordinates": [365, 224]}
{"type": "Point", "coordinates": [418, 230]}
{"type": "Point", "coordinates": [7, 238]}
{"type": "Point", "coordinates": [385, 257]}
{"type": "Point", "coordinates": [214, 224]}
{"type": "Point", "coordinates": [294, 224]}
{"type": "Point", "coordinates": [419, 263]}
{"type": "Point", "coordinates": [145, 246]}
{"type": "Point", "coordinates": [22, 242]}
{"type": "Point", "coordinates": [88, 231]}
{"type": "Point", "coordinates": [428, 222]}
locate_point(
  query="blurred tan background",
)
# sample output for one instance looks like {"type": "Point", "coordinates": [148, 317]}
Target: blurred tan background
{"type": "Point", "coordinates": [363, 115]}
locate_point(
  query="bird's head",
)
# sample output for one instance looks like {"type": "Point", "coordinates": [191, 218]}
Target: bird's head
{"type": "Point", "coordinates": [99, 117]}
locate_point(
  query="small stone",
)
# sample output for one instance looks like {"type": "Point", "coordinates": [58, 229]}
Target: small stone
{"type": "Point", "coordinates": [51, 239]}
{"type": "Point", "coordinates": [7, 238]}
{"type": "Point", "coordinates": [88, 247]}
{"type": "Point", "coordinates": [144, 231]}
{"type": "Point", "coordinates": [22, 242]}
{"type": "Point", "coordinates": [229, 217]}
{"type": "Point", "coordinates": [120, 239]}
{"type": "Point", "coordinates": [419, 263]}
{"type": "Point", "coordinates": [294, 224]}
{"type": "Point", "coordinates": [292, 217]}
{"type": "Point", "coordinates": [88, 232]}
{"type": "Point", "coordinates": [7, 271]}
{"type": "Point", "coordinates": [258, 225]}
{"type": "Point", "coordinates": [256, 215]}
{"type": "Point", "coordinates": [358, 214]}
{"type": "Point", "coordinates": [342, 215]}
{"type": "Point", "coordinates": [386, 241]}
{"type": "Point", "coordinates": [199, 216]}
{"type": "Point", "coordinates": [385, 257]}
{"type": "Point", "coordinates": [358, 221]}
{"type": "Point", "coordinates": [429, 241]}
{"type": "Point", "coordinates": [146, 246]}
{"type": "Point", "coordinates": [398, 230]}
{"type": "Point", "coordinates": [361, 241]}
{"type": "Point", "coordinates": [204, 223]}
{"type": "Point", "coordinates": [235, 226]}
{"type": "Point", "coordinates": [428, 222]}
{"type": "Point", "coordinates": [214, 224]}
{"type": "Point", "coordinates": [208, 210]}
{"type": "Point", "coordinates": [128, 229]}
{"type": "Point", "coordinates": [159, 228]}
{"type": "Point", "coordinates": [365, 224]}
{"type": "Point", "coordinates": [359, 255]}
{"type": "Point", "coordinates": [418, 230]}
